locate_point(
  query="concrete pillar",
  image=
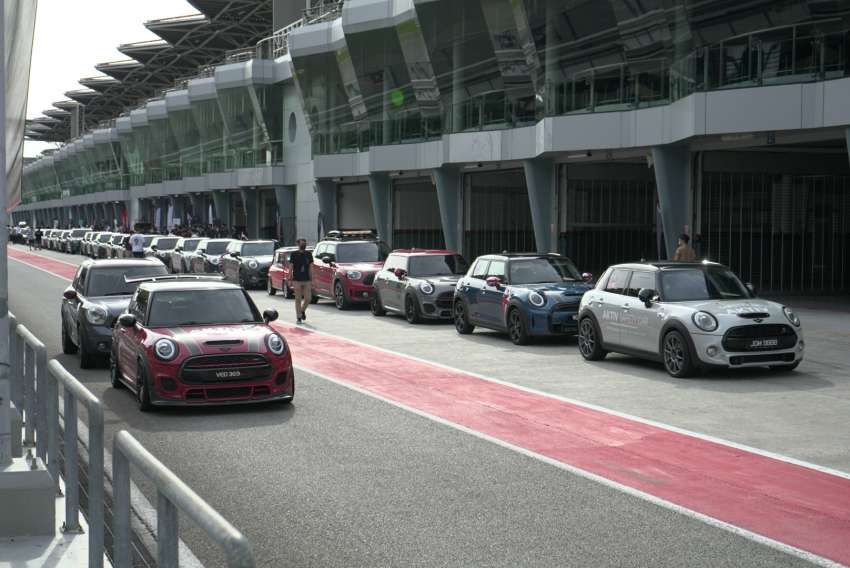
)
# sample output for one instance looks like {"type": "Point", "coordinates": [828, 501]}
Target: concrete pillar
{"type": "Point", "coordinates": [160, 213]}
{"type": "Point", "coordinates": [673, 179]}
{"type": "Point", "coordinates": [285, 199]}
{"type": "Point", "coordinates": [380, 189]}
{"type": "Point", "coordinates": [327, 194]}
{"type": "Point", "coordinates": [106, 214]}
{"type": "Point", "coordinates": [447, 180]}
{"type": "Point", "coordinates": [199, 208]}
{"type": "Point", "coordinates": [135, 211]}
{"type": "Point", "coordinates": [540, 179]}
{"type": "Point", "coordinates": [178, 208]}
{"type": "Point", "coordinates": [221, 206]}
{"type": "Point", "coordinates": [251, 203]}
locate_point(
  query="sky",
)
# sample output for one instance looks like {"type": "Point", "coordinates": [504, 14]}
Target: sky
{"type": "Point", "coordinates": [72, 36]}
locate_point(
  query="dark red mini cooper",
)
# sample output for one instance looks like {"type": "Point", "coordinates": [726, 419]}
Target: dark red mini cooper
{"type": "Point", "coordinates": [193, 341]}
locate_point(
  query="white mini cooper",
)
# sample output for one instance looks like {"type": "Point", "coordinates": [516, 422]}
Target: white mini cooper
{"type": "Point", "coordinates": [689, 316]}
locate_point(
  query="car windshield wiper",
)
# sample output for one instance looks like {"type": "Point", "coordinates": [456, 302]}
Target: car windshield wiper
{"type": "Point", "coordinates": [118, 294]}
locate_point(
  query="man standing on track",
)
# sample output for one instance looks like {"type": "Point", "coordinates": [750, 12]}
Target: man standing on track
{"type": "Point", "coordinates": [137, 245]}
{"type": "Point", "coordinates": [300, 262]}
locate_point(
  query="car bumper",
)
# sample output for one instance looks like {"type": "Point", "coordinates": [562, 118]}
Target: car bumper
{"type": "Point", "coordinates": [168, 390]}
{"type": "Point", "coordinates": [709, 350]}
{"type": "Point", "coordinates": [545, 322]}
{"type": "Point", "coordinates": [97, 338]}
{"type": "Point", "coordinates": [359, 293]}
{"type": "Point", "coordinates": [222, 402]}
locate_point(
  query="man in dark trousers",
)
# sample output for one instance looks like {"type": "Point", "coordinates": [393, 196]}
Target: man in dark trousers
{"type": "Point", "coordinates": [300, 262]}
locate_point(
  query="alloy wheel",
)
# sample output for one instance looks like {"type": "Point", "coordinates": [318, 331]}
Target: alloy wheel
{"type": "Point", "coordinates": [674, 354]}
{"type": "Point", "coordinates": [586, 338]}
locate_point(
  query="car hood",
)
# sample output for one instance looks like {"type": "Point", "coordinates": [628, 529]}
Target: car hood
{"type": "Point", "coordinates": [361, 266]}
{"type": "Point", "coordinates": [735, 307]}
{"type": "Point", "coordinates": [115, 305]}
{"type": "Point", "coordinates": [261, 259]}
{"type": "Point", "coordinates": [437, 280]}
{"type": "Point", "coordinates": [213, 339]}
{"type": "Point", "coordinates": [559, 288]}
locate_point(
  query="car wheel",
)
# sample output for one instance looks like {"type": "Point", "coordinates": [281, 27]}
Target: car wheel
{"type": "Point", "coordinates": [516, 327]}
{"type": "Point", "coordinates": [143, 394]}
{"type": "Point", "coordinates": [114, 374]}
{"type": "Point", "coordinates": [462, 324]}
{"type": "Point", "coordinates": [340, 299]}
{"type": "Point", "coordinates": [589, 341]}
{"type": "Point", "coordinates": [376, 306]}
{"type": "Point", "coordinates": [411, 310]}
{"type": "Point", "coordinates": [677, 356]}
{"type": "Point", "coordinates": [68, 347]}
{"type": "Point", "coordinates": [269, 288]}
{"type": "Point", "coordinates": [785, 368]}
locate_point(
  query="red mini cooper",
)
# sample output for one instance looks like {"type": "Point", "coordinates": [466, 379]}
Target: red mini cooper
{"type": "Point", "coordinates": [194, 341]}
{"type": "Point", "coordinates": [280, 273]}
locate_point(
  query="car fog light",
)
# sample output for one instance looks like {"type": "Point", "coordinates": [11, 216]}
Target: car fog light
{"type": "Point", "coordinates": [801, 345]}
{"type": "Point", "coordinates": [711, 351]}
{"type": "Point", "coordinates": [168, 385]}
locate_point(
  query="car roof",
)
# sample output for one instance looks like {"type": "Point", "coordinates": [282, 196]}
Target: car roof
{"type": "Point", "coordinates": [121, 262]}
{"type": "Point", "coordinates": [188, 285]}
{"type": "Point", "coordinates": [666, 264]}
{"type": "Point", "coordinates": [257, 241]}
{"type": "Point", "coordinates": [510, 255]}
{"type": "Point", "coordinates": [291, 249]}
{"type": "Point", "coordinates": [218, 240]}
{"type": "Point", "coordinates": [423, 252]}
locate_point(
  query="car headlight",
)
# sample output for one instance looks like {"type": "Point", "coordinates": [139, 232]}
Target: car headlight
{"type": "Point", "coordinates": [426, 287]}
{"type": "Point", "coordinates": [276, 344]}
{"type": "Point", "coordinates": [165, 349]}
{"type": "Point", "coordinates": [96, 314]}
{"type": "Point", "coordinates": [792, 317]}
{"type": "Point", "coordinates": [353, 274]}
{"type": "Point", "coordinates": [253, 264]}
{"type": "Point", "coordinates": [705, 321]}
{"type": "Point", "coordinates": [536, 300]}
{"type": "Point", "coordinates": [214, 260]}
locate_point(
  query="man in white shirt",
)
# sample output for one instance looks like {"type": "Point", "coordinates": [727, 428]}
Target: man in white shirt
{"type": "Point", "coordinates": [137, 245]}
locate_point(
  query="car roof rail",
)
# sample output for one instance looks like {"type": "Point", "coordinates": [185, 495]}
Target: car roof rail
{"type": "Point", "coordinates": [173, 277]}
{"type": "Point", "coordinates": [352, 235]}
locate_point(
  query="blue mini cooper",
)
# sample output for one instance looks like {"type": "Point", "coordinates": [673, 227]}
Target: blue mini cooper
{"type": "Point", "coordinates": [525, 295]}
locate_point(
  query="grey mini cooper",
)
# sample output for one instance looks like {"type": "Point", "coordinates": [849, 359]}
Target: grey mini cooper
{"type": "Point", "coordinates": [418, 284]}
{"type": "Point", "coordinates": [689, 316]}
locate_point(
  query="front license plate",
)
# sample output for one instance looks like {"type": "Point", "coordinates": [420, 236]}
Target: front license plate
{"type": "Point", "coordinates": [760, 343]}
{"type": "Point", "coordinates": [228, 374]}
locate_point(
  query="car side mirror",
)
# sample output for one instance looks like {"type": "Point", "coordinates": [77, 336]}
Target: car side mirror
{"type": "Point", "coordinates": [234, 254]}
{"type": "Point", "coordinates": [127, 320]}
{"type": "Point", "coordinates": [751, 289]}
{"type": "Point", "coordinates": [400, 273]}
{"type": "Point", "coordinates": [587, 277]}
{"type": "Point", "coordinates": [69, 294]}
{"type": "Point", "coordinates": [153, 247]}
{"type": "Point", "coordinates": [494, 282]}
{"type": "Point", "coordinates": [328, 259]}
{"type": "Point", "coordinates": [646, 295]}
{"type": "Point", "coordinates": [270, 316]}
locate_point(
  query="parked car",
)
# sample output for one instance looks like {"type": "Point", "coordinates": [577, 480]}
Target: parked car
{"type": "Point", "coordinates": [46, 239]}
{"type": "Point", "coordinates": [62, 242]}
{"type": "Point", "coordinates": [117, 245]}
{"type": "Point", "coordinates": [280, 273]}
{"type": "Point", "coordinates": [182, 255]}
{"type": "Point", "coordinates": [161, 247]}
{"type": "Point", "coordinates": [196, 342]}
{"type": "Point", "coordinates": [344, 266]}
{"type": "Point", "coordinates": [207, 258]}
{"type": "Point", "coordinates": [524, 295]}
{"type": "Point", "coordinates": [74, 240]}
{"type": "Point", "coordinates": [689, 316]}
{"type": "Point", "coordinates": [84, 243]}
{"type": "Point", "coordinates": [247, 262]}
{"type": "Point", "coordinates": [102, 247]}
{"type": "Point", "coordinates": [96, 296]}
{"type": "Point", "coordinates": [418, 284]}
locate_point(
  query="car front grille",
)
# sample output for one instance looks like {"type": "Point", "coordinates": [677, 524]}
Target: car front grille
{"type": "Point", "coordinates": [226, 368]}
{"type": "Point", "coordinates": [368, 279]}
{"type": "Point", "coordinates": [445, 300]}
{"type": "Point", "coordinates": [767, 337]}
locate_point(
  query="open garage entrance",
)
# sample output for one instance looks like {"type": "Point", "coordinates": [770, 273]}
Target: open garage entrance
{"type": "Point", "coordinates": [497, 215]}
{"type": "Point", "coordinates": [416, 215]}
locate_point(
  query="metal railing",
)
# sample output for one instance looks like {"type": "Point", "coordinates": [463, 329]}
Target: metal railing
{"type": "Point", "coordinates": [35, 389]}
{"type": "Point", "coordinates": [172, 495]}
{"type": "Point", "coordinates": [322, 11]}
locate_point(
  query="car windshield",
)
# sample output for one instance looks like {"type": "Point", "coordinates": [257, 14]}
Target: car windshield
{"type": "Point", "coordinates": [258, 249]}
{"type": "Point", "coordinates": [201, 307]}
{"type": "Point", "coordinates": [217, 247]}
{"type": "Point", "coordinates": [542, 270]}
{"type": "Point", "coordinates": [166, 244]}
{"type": "Point", "coordinates": [109, 281]}
{"type": "Point", "coordinates": [78, 233]}
{"type": "Point", "coordinates": [104, 238]}
{"type": "Point", "coordinates": [711, 283]}
{"type": "Point", "coordinates": [437, 265]}
{"type": "Point", "coordinates": [361, 252]}
{"type": "Point", "coordinates": [190, 245]}
{"type": "Point", "coordinates": [148, 240]}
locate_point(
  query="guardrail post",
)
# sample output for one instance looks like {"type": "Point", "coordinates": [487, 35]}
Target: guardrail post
{"type": "Point", "coordinates": [96, 481]}
{"type": "Point", "coordinates": [72, 482]}
{"type": "Point", "coordinates": [27, 357]}
{"type": "Point", "coordinates": [53, 432]}
{"type": "Point", "coordinates": [16, 376]}
{"type": "Point", "coordinates": [121, 510]}
{"type": "Point", "coordinates": [39, 369]}
{"type": "Point", "coordinates": [166, 532]}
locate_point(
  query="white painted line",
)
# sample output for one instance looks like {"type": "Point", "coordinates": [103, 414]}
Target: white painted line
{"type": "Point", "coordinates": [590, 406]}
{"type": "Point", "coordinates": [711, 521]}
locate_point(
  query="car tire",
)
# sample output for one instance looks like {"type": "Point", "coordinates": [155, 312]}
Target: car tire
{"type": "Point", "coordinates": [590, 340]}
{"type": "Point", "coordinates": [340, 299]}
{"type": "Point", "coordinates": [517, 330]}
{"type": "Point", "coordinates": [676, 355]}
{"type": "Point", "coordinates": [68, 347]}
{"type": "Point", "coordinates": [269, 288]}
{"type": "Point", "coordinates": [411, 310]}
{"type": "Point", "coordinates": [143, 394]}
{"type": "Point", "coordinates": [376, 307]}
{"type": "Point", "coordinates": [785, 368]}
{"type": "Point", "coordinates": [114, 374]}
{"type": "Point", "coordinates": [461, 318]}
